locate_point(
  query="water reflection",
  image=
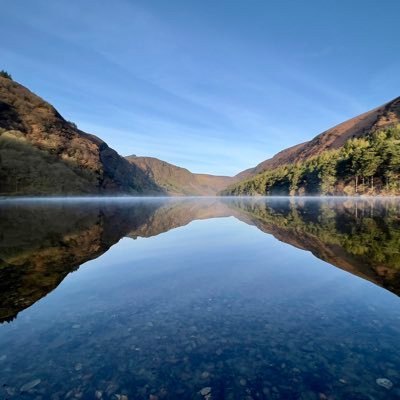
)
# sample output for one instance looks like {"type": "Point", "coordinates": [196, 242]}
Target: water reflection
{"type": "Point", "coordinates": [214, 310]}
{"type": "Point", "coordinates": [42, 243]}
{"type": "Point", "coordinates": [358, 236]}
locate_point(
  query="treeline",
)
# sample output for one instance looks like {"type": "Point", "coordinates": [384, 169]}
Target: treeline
{"type": "Point", "coordinates": [368, 165]}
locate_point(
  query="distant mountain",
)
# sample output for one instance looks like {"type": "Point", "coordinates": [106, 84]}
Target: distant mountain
{"type": "Point", "coordinates": [363, 126]}
{"type": "Point", "coordinates": [378, 118]}
{"type": "Point", "coordinates": [43, 154]}
{"type": "Point", "coordinates": [177, 181]}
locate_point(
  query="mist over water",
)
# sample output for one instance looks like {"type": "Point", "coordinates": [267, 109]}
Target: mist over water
{"type": "Point", "coordinates": [212, 298]}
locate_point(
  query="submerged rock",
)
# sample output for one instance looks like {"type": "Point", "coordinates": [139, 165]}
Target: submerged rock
{"type": "Point", "coordinates": [121, 397]}
{"type": "Point", "coordinates": [78, 367]}
{"type": "Point", "coordinates": [205, 391]}
{"type": "Point", "coordinates": [98, 394]}
{"type": "Point", "coordinates": [205, 375]}
{"type": "Point", "coordinates": [30, 385]}
{"type": "Point", "coordinates": [384, 382]}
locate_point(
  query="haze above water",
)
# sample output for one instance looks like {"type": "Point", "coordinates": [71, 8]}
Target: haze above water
{"type": "Point", "coordinates": [200, 299]}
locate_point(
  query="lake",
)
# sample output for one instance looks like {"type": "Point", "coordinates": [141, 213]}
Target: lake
{"type": "Point", "coordinates": [213, 298]}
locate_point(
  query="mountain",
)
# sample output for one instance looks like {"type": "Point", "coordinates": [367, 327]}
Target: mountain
{"type": "Point", "coordinates": [334, 138]}
{"type": "Point", "coordinates": [177, 181]}
{"type": "Point", "coordinates": [359, 156]}
{"type": "Point", "coordinates": [43, 154]}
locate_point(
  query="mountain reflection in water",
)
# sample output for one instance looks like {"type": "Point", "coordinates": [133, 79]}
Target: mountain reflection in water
{"type": "Point", "coordinates": [226, 307]}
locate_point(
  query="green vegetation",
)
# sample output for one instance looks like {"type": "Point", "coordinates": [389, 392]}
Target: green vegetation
{"type": "Point", "coordinates": [368, 165]}
{"type": "Point", "coordinates": [5, 74]}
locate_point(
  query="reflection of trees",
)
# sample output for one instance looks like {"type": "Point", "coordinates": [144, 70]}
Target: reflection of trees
{"type": "Point", "coordinates": [364, 233]}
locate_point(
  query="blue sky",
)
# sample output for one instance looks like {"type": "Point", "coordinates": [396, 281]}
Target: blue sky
{"type": "Point", "coordinates": [213, 86]}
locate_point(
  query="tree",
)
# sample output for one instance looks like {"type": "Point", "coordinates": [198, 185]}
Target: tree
{"type": "Point", "coordinates": [369, 163]}
{"type": "Point", "coordinates": [353, 150]}
{"type": "Point", "coordinates": [73, 124]}
{"type": "Point", "coordinates": [327, 165]}
{"type": "Point", "coordinates": [5, 74]}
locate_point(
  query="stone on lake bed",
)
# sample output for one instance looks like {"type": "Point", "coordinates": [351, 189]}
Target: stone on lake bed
{"type": "Point", "coordinates": [205, 375]}
{"type": "Point", "coordinates": [384, 382]}
{"type": "Point", "coordinates": [121, 397]}
{"type": "Point", "coordinates": [30, 385]}
{"type": "Point", "coordinates": [205, 391]}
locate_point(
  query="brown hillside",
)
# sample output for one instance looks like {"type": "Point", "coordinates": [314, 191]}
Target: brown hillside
{"type": "Point", "coordinates": [42, 153]}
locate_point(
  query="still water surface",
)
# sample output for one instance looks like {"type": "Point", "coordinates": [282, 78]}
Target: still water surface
{"type": "Point", "coordinates": [200, 299]}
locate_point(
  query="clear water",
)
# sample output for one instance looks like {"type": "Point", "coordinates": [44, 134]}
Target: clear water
{"type": "Point", "coordinates": [200, 299]}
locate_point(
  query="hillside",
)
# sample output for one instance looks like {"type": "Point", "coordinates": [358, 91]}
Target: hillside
{"type": "Point", "coordinates": [43, 154]}
{"type": "Point", "coordinates": [333, 138]}
{"type": "Point", "coordinates": [177, 181]}
{"type": "Point", "coordinates": [359, 156]}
